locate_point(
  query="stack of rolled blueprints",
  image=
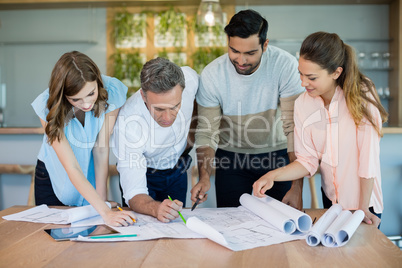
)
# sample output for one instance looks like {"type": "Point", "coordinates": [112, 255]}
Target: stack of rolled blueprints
{"type": "Point", "coordinates": [278, 214]}
{"type": "Point", "coordinates": [335, 227]}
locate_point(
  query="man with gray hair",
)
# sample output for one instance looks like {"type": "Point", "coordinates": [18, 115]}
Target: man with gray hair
{"type": "Point", "coordinates": [150, 139]}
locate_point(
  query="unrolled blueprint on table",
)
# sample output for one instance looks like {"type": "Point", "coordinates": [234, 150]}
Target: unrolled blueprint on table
{"type": "Point", "coordinates": [236, 228]}
{"type": "Point", "coordinates": [44, 214]}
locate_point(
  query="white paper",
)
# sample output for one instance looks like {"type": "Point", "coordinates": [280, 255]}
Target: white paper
{"type": "Point", "coordinates": [79, 213]}
{"type": "Point", "coordinates": [329, 239]}
{"type": "Point", "coordinates": [348, 229]}
{"type": "Point", "coordinates": [268, 213]}
{"type": "Point", "coordinates": [319, 228]}
{"type": "Point", "coordinates": [198, 226]}
{"type": "Point", "coordinates": [302, 220]}
{"type": "Point", "coordinates": [343, 228]}
{"type": "Point", "coordinates": [44, 214]}
{"type": "Point", "coordinates": [282, 216]}
{"type": "Point", "coordinates": [335, 227]}
{"type": "Point", "coordinates": [234, 228]}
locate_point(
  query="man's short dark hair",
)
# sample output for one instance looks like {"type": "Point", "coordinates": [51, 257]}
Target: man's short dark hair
{"type": "Point", "coordinates": [246, 23]}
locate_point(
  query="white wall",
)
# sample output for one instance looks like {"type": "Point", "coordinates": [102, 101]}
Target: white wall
{"type": "Point", "coordinates": [31, 41]}
{"type": "Point", "coordinates": [349, 21]}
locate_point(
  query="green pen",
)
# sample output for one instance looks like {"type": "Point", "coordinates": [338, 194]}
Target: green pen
{"type": "Point", "coordinates": [112, 236]}
{"type": "Point", "coordinates": [178, 211]}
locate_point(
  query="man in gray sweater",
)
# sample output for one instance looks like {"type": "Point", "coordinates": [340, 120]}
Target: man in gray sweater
{"type": "Point", "coordinates": [245, 108]}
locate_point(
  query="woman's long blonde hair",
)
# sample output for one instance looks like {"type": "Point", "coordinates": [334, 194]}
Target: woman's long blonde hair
{"type": "Point", "coordinates": [70, 74]}
{"type": "Point", "coordinates": [330, 52]}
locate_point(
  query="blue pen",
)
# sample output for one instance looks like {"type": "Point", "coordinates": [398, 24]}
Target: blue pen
{"type": "Point", "coordinates": [112, 236]}
{"type": "Point", "coordinates": [178, 211]}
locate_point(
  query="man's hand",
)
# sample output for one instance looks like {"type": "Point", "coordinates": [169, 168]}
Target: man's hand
{"type": "Point", "coordinates": [200, 190]}
{"type": "Point", "coordinates": [294, 197]}
{"type": "Point", "coordinates": [168, 210]}
{"type": "Point", "coordinates": [205, 156]}
{"type": "Point", "coordinates": [164, 211]}
{"type": "Point", "coordinates": [114, 204]}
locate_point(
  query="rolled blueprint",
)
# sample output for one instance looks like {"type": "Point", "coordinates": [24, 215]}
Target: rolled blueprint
{"type": "Point", "coordinates": [200, 227]}
{"type": "Point", "coordinates": [269, 213]}
{"type": "Point", "coordinates": [319, 228]}
{"type": "Point", "coordinates": [80, 213]}
{"type": "Point", "coordinates": [302, 220]}
{"type": "Point", "coordinates": [329, 238]}
{"type": "Point", "coordinates": [340, 232]}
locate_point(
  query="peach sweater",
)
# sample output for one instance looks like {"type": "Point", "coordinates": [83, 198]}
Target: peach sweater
{"type": "Point", "coordinates": [329, 139]}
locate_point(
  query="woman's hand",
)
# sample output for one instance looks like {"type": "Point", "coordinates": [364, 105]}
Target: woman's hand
{"type": "Point", "coordinates": [119, 218]}
{"type": "Point", "coordinates": [370, 218]}
{"type": "Point", "coordinates": [263, 184]}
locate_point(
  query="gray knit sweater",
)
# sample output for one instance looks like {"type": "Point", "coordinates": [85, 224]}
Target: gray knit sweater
{"type": "Point", "coordinates": [248, 113]}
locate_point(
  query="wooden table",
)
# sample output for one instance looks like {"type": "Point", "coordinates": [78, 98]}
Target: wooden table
{"type": "Point", "coordinates": [24, 244]}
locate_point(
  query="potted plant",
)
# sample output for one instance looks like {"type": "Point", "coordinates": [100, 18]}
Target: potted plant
{"type": "Point", "coordinates": [204, 55]}
{"type": "Point", "coordinates": [127, 68]}
{"type": "Point", "coordinates": [171, 24]}
{"type": "Point", "coordinates": [129, 29]}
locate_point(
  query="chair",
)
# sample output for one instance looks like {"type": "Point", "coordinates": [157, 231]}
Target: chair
{"type": "Point", "coordinates": [314, 199]}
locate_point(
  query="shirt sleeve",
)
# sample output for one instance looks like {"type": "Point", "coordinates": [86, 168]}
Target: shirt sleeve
{"type": "Point", "coordinates": [192, 80]}
{"type": "Point", "coordinates": [209, 114]}
{"type": "Point", "coordinates": [40, 105]}
{"type": "Point", "coordinates": [117, 92]}
{"type": "Point", "coordinates": [128, 145]}
{"type": "Point", "coordinates": [206, 95]}
{"type": "Point", "coordinates": [368, 142]}
{"type": "Point", "coordinates": [305, 151]}
{"type": "Point", "coordinates": [287, 111]}
{"type": "Point", "coordinates": [207, 132]}
{"type": "Point", "coordinates": [289, 89]}
{"type": "Point", "coordinates": [289, 81]}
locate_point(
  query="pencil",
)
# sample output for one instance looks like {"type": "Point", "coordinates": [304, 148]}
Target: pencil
{"type": "Point", "coordinates": [195, 204]}
{"type": "Point", "coordinates": [112, 236]}
{"type": "Point", "coordinates": [129, 216]}
{"type": "Point", "coordinates": [178, 211]}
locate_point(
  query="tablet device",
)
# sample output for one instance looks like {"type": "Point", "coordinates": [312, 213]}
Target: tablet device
{"type": "Point", "coordinates": [67, 233]}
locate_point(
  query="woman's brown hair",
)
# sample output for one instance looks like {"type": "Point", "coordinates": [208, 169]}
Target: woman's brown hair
{"type": "Point", "coordinates": [70, 74]}
{"type": "Point", "coordinates": [330, 52]}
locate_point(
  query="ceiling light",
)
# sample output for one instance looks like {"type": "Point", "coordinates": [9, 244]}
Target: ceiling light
{"type": "Point", "coordinates": [209, 13]}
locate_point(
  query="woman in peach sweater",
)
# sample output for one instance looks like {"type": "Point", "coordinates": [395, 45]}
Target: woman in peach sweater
{"type": "Point", "coordinates": [337, 128]}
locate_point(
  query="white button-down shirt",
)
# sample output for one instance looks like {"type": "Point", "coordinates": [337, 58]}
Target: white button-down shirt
{"type": "Point", "coordinates": [140, 142]}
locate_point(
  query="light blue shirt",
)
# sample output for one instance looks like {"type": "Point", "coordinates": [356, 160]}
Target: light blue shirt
{"type": "Point", "coordinates": [81, 139]}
